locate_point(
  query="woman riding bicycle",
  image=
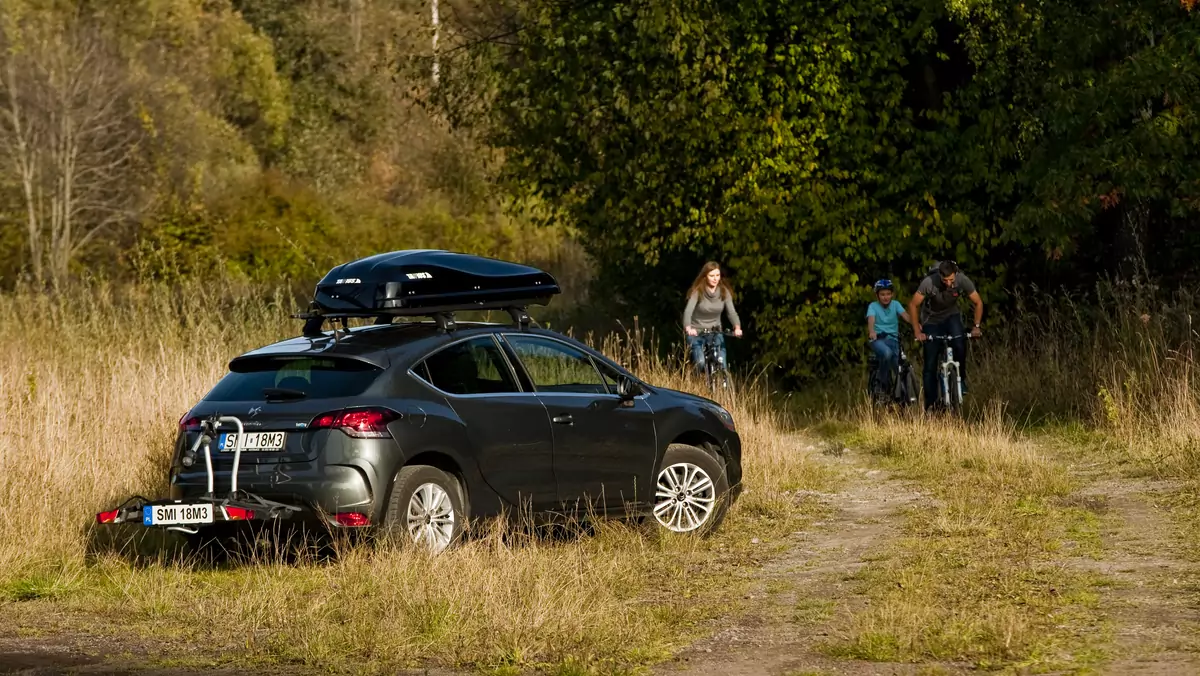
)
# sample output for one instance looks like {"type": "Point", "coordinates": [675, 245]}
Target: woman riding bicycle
{"type": "Point", "coordinates": [708, 297]}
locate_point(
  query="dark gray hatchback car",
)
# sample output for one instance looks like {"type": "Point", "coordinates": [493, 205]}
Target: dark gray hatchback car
{"type": "Point", "coordinates": [413, 428]}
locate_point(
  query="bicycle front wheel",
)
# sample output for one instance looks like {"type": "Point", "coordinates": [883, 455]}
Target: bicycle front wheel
{"type": "Point", "coordinates": [910, 389]}
{"type": "Point", "coordinates": [874, 386]}
{"type": "Point", "coordinates": [954, 389]}
{"type": "Point", "coordinates": [725, 382]}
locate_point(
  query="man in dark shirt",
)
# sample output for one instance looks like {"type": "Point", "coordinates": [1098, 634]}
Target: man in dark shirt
{"type": "Point", "coordinates": [937, 300]}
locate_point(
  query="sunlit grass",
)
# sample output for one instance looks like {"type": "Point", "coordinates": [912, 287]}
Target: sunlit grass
{"type": "Point", "coordinates": [976, 576]}
{"type": "Point", "coordinates": [93, 384]}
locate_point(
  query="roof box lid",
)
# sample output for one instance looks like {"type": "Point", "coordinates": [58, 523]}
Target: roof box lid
{"type": "Point", "coordinates": [422, 281]}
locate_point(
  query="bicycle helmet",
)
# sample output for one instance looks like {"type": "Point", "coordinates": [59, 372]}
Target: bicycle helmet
{"type": "Point", "coordinates": [883, 284]}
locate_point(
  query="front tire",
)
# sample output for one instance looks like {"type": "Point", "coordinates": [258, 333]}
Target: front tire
{"type": "Point", "coordinates": [910, 388]}
{"type": "Point", "coordinates": [426, 509]}
{"type": "Point", "coordinates": [691, 493]}
{"type": "Point", "coordinates": [953, 390]}
{"type": "Point", "coordinates": [875, 389]}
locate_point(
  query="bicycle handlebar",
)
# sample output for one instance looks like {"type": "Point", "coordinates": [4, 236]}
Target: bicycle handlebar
{"type": "Point", "coordinates": [930, 336]}
{"type": "Point", "coordinates": [713, 332]}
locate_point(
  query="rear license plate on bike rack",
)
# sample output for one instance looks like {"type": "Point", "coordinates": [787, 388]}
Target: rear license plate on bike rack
{"type": "Point", "coordinates": [169, 515]}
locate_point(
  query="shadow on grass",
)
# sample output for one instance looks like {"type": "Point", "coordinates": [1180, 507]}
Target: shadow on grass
{"type": "Point", "coordinates": [220, 545]}
{"type": "Point", "coordinates": [232, 545]}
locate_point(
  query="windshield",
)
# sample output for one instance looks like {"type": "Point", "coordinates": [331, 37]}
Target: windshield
{"type": "Point", "coordinates": [296, 377]}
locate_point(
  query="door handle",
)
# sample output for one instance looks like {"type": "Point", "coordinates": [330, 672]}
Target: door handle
{"type": "Point", "coordinates": [565, 419]}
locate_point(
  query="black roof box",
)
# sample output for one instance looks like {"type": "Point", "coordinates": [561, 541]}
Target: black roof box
{"type": "Point", "coordinates": [427, 282]}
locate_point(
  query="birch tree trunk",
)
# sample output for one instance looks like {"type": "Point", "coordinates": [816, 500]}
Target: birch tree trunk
{"type": "Point", "coordinates": [436, 24]}
{"type": "Point", "coordinates": [68, 134]}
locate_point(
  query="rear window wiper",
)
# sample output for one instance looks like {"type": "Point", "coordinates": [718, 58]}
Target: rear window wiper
{"type": "Point", "coordinates": [283, 393]}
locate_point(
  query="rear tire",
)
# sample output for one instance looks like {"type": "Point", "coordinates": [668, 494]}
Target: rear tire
{"type": "Point", "coordinates": [426, 508]}
{"type": "Point", "coordinates": [691, 491]}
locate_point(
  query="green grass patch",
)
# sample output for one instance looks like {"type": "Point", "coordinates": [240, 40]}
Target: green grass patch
{"type": "Point", "coordinates": [976, 575]}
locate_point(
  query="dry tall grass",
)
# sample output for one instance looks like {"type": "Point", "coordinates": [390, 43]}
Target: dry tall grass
{"type": "Point", "coordinates": [1121, 360]}
{"type": "Point", "coordinates": [93, 384]}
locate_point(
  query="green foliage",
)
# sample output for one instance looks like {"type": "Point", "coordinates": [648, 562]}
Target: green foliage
{"type": "Point", "coordinates": [767, 135]}
{"type": "Point", "coordinates": [812, 146]}
{"type": "Point", "coordinates": [275, 228]}
{"type": "Point", "coordinates": [275, 140]}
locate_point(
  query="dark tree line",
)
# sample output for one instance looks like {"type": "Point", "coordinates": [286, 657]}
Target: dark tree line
{"type": "Point", "coordinates": [815, 145]}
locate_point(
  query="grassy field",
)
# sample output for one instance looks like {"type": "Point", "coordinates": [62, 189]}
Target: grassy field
{"type": "Point", "coordinates": [1056, 532]}
{"type": "Point", "coordinates": [1010, 560]}
{"type": "Point", "coordinates": [94, 384]}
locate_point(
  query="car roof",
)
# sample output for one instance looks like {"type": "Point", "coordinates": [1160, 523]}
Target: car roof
{"type": "Point", "coordinates": [376, 344]}
{"type": "Point", "coordinates": [366, 343]}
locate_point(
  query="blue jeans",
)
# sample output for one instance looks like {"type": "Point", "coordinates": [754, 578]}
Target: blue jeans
{"type": "Point", "coordinates": [887, 353]}
{"type": "Point", "coordinates": [696, 343]}
{"type": "Point", "coordinates": [951, 327]}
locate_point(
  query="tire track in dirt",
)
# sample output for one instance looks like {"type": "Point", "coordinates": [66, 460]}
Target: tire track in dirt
{"type": "Point", "coordinates": [797, 594]}
{"type": "Point", "coordinates": [1154, 599]}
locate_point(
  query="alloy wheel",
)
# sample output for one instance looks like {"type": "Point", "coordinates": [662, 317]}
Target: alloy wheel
{"type": "Point", "coordinates": [684, 497]}
{"type": "Point", "coordinates": [430, 517]}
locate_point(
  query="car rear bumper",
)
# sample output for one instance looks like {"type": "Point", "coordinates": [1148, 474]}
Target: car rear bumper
{"type": "Point", "coordinates": [321, 492]}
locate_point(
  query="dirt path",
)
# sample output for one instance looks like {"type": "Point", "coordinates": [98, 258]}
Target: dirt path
{"type": "Point", "coordinates": [798, 593]}
{"type": "Point", "coordinates": [1151, 599]}
{"type": "Point", "coordinates": [1154, 601]}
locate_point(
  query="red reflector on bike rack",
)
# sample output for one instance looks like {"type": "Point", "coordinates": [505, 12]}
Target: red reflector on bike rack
{"type": "Point", "coordinates": [238, 514]}
{"type": "Point", "coordinates": [352, 519]}
{"type": "Point", "coordinates": [108, 517]}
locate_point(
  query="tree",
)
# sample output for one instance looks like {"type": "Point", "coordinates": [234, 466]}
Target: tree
{"type": "Point", "coordinates": [769, 136]}
{"type": "Point", "coordinates": [69, 133]}
{"type": "Point", "coordinates": [815, 145]}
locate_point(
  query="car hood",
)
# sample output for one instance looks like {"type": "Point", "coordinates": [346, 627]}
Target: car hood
{"type": "Point", "coordinates": [685, 396]}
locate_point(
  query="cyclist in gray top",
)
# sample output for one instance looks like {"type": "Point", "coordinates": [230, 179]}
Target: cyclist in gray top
{"type": "Point", "coordinates": [709, 296]}
{"type": "Point", "coordinates": [937, 299]}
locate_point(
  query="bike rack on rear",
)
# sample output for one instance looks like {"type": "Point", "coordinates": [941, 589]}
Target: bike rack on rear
{"type": "Point", "coordinates": [233, 506]}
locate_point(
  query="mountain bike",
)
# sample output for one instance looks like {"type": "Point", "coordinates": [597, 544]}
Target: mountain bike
{"type": "Point", "coordinates": [949, 375]}
{"type": "Point", "coordinates": [905, 387]}
{"type": "Point", "coordinates": [716, 371]}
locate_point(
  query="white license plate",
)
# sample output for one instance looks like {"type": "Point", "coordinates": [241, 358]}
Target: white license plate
{"type": "Point", "coordinates": [167, 515]}
{"type": "Point", "coordinates": [254, 441]}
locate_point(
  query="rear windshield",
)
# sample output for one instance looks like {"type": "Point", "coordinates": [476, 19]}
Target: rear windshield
{"type": "Point", "coordinates": [320, 378]}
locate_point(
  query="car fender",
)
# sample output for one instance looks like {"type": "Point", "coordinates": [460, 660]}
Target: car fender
{"type": "Point", "coordinates": [441, 432]}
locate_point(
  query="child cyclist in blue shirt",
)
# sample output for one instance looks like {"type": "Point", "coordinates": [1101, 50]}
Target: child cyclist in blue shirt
{"type": "Point", "coordinates": [883, 328]}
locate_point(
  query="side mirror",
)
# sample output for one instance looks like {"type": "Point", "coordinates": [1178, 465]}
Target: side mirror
{"type": "Point", "coordinates": [628, 388]}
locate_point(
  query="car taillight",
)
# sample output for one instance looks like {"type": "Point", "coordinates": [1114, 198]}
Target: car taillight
{"type": "Point", "coordinates": [352, 519]}
{"type": "Point", "coordinates": [108, 517]}
{"type": "Point", "coordinates": [239, 514]}
{"type": "Point", "coordinates": [363, 423]}
{"type": "Point", "coordinates": [189, 423]}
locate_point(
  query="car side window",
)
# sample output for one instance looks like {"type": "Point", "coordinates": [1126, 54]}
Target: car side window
{"type": "Point", "coordinates": [557, 367]}
{"type": "Point", "coordinates": [474, 366]}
